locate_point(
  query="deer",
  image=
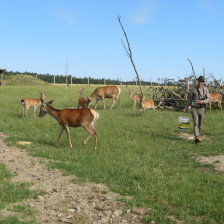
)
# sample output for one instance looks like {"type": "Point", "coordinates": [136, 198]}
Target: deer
{"type": "Point", "coordinates": [101, 93]}
{"type": "Point", "coordinates": [30, 102]}
{"type": "Point", "coordinates": [134, 98]}
{"type": "Point", "coordinates": [215, 97]}
{"type": "Point", "coordinates": [82, 101]}
{"type": "Point", "coordinates": [85, 117]}
{"type": "Point", "coordinates": [146, 104]}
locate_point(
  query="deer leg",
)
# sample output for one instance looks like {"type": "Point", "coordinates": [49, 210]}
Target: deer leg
{"type": "Point", "coordinates": [95, 136]}
{"type": "Point", "coordinates": [23, 111]}
{"type": "Point", "coordinates": [113, 103]}
{"type": "Point", "coordinates": [34, 110]}
{"type": "Point", "coordinates": [210, 106]}
{"type": "Point", "coordinates": [26, 109]}
{"type": "Point", "coordinates": [119, 102]}
{"type": "Point", "coordinates": [88, 137]}
{"type": "Point", "coordinates": [60, 134]}
{"type": "Point", "coordinates": [103, 103]}
{"type": "Point", "coordinates": [96, 104]}
{"type": "Point", "coordinates": [68, 135]}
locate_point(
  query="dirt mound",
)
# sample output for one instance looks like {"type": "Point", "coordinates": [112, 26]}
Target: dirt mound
{"type": "Point", "coordinates": [23, 80]}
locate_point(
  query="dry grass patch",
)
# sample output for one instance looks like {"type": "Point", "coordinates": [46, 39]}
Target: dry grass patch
{"type": "Point", "coordinates": [24, 142]}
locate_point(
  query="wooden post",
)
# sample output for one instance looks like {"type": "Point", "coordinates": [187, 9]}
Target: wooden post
{"type": "Point", "coordinates": [71, 80]}
{"type": "Point", "coordinates": [1, 72]}
{"type": "Point", "coordinates": [88, 81]}
{"type": "Point", "coordinates": [54, 79]}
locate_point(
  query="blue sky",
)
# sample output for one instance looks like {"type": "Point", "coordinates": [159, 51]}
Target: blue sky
{"type": "Point", "coordinates": [43, 36]}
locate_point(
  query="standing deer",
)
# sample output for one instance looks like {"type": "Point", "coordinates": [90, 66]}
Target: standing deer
{"type": "Point", "coordinates": [29, 102]}
{"type": "Point", "coordinates": [146, 104]}
{"type": "Point", "coordinates": [82, 101]}
{"type": "Point", "coordinates": [85, 118]}
{"type": "Point", "coordinates": [105, 92]}
{"type": "Point", "coordinates": [215, 98]}
{"type": "Point", "coordinates": [134, 98]}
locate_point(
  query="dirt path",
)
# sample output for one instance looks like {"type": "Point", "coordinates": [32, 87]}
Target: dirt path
{"type": "Point", "coordinates": [217, 161]}
{"type": "Point", "coordinates": [64, 201]}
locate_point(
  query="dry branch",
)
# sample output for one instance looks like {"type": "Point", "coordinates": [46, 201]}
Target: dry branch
{"type": "Point", "coordinates": [129, 53]}
{"type": "Point", "coordinates": [192, 69]}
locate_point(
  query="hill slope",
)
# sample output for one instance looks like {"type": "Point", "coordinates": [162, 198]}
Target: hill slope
{"type": "Point", "coordinates": [23, 80]}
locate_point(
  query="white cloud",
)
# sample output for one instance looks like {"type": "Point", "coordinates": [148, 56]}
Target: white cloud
{"type": "Point", "coordinates": [145, 13]}
{"type": "Point", "coordinates": [67, 16]}
{"type": "Point", "coordinates": [207, 5]}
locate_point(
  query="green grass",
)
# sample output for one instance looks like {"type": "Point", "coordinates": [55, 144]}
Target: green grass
{"type": "Point", "coordinates": [14, 192]}
{"type": "Point", "coordinates": [138, 156]}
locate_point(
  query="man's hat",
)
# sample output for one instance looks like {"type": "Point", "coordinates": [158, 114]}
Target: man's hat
{"type": "Point", "coordinates": [201, 79]}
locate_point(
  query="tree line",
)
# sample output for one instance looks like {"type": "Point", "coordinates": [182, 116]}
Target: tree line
{"type": "Point", "coordinates": [75, 80]}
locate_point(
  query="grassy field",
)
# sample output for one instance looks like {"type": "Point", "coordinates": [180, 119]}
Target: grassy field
{"type": "Point", "coordinates": [139, 156]}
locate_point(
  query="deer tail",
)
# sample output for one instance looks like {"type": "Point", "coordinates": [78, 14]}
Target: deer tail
{"type": "Point", "coordinates": [95, 117]}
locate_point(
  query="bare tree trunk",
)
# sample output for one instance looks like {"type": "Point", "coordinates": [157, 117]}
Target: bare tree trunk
{"type": "Point", "coordinates": [192, 69]}
{"type": "Point", "coordinates": [187, 88]}
{"type": "Point", "coordinates": [129, 53]}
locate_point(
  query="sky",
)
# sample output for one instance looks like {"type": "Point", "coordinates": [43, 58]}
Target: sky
{"type": "Point", "coordinates": [84, 37]}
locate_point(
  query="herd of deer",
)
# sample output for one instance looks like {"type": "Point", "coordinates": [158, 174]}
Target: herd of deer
{"type": "Point", "coordinates": [86, 117]}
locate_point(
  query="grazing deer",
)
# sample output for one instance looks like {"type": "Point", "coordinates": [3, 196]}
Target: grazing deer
{"type": "Point", "coordinates": [105, 92]}
{"type": "Point", "coordinates": [82, 101]}
{"type": "Point", "coordinates": [146, 104]}
{"type": "Point", "coordinates": [85, 118]}
{"type": "Point", "coordinates": [215, 97]}
{"type": "Point", "coordinates": [29, 102]}
{"type": "Point", "coordinates": [134, 98]}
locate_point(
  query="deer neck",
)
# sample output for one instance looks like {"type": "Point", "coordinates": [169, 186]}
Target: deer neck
{"type": "Point", "coordinates": [52, 112]}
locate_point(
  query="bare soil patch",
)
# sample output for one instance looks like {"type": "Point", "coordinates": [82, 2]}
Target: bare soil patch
{"type": "Point", "coordinates": [217, 161]}
{"type": "Point", "coordinates": [64, 200]}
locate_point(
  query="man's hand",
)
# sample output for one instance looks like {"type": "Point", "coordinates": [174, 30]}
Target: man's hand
{"type": "Point", "coordinates": [201, 101]}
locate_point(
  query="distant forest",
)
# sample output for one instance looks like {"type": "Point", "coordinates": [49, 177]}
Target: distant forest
{"type": "Point", "coordinates": [75, 80]}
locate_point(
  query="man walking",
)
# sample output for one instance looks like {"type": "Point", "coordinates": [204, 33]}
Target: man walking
{"type": "Point", "coordinates": [197, 99]}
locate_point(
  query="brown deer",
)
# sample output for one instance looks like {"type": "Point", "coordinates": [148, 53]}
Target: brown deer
{"type": "Point", "coordinates": [101, 93]}
{"type": "Point", "coordinates": [29, 102]}
{"type": "Point", "coordinates": [134, 98]}
{"type": "Point", "coordinates": [146, 104]}
{"type": "Point", "coordinates": [85, 118]}
{"type": "Point", "coordinates": [215, 98]}
{"type": "Point", "coordinates": [82, 101]}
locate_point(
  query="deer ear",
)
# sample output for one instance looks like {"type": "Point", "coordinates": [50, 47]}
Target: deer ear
{"type": "Point", "coordinates": [50, 102]}
{"type": "Point", "coordinates": [42, 101]}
